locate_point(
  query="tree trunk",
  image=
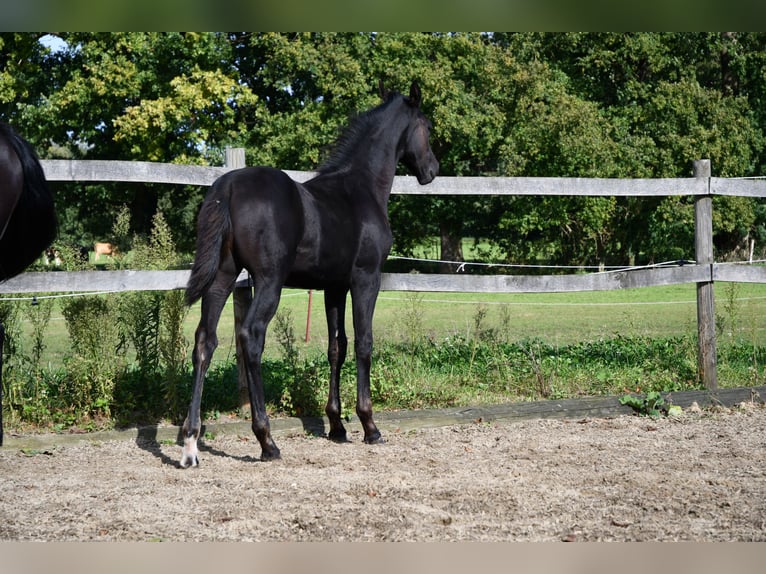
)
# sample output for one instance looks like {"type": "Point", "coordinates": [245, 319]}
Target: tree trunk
{"type": "Point", "coordinates": [451, 247]}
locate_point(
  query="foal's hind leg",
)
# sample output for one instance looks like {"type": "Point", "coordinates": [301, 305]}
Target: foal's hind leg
{"type": "Point", "coordinates": [205, 343]}
{"type": "Point", "coordinates": [335, 307]}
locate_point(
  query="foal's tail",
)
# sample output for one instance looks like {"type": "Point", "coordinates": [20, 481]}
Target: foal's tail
{"type": "Point", "coordinates": [213, 235]}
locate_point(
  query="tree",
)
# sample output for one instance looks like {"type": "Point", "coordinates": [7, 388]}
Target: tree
{"type": "Point", "coordinates": [313, 82]}
{"type": "Point", "coordinates": [555, 133]}
{"type": "Point", "coordinates": [466, 81]}
{"type": "Point", "coordinates": [563, 104]}
{"type": "Point", "coordinates": [142, 96]}
{"type": "Point", "coordinates": [309, 84]}
{"type": "Point", "coordinates": [670, 99]}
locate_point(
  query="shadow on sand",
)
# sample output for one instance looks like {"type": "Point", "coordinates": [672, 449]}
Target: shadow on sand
{"type": "Point", "coordinates": [147, 439]}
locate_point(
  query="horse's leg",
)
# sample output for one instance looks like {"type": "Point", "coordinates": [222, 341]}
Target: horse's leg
{"type": "Point", "coordinates": [364, 293]}
{"type": "Point", "coordinates": [251, 337]}
{"type": "Point", "coordinates": [205, 343]}
{"type": "Point", "coordinates": [335, 307]}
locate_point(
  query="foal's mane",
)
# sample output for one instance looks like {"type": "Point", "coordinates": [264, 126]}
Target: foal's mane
{"type": "Point", "coordinates": [345, 148]}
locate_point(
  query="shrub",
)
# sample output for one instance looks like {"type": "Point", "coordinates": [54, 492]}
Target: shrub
{"type": "Point", "coordinates": [302, 387]}
{"type": "Point", "coordinates": [97, 356]}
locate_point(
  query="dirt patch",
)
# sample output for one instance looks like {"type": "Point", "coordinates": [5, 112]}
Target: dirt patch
{"type": "Point", "coordinates": [700, 476]}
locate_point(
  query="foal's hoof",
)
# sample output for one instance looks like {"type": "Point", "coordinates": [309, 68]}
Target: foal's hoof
{"type": "Point", "coordinates": [189, 460]}
{"type": "Point", "coordinates": [189, 456]}
{"type": "Point", "coordinates": [273, 454]}
{"type": "Point", "coordinates": [374, 438]}
{"type": "Point", "coordinates": [338, 435]}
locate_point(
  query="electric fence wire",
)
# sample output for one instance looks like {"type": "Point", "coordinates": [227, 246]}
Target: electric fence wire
{"type": "Point", "coordinates": [461, 266]}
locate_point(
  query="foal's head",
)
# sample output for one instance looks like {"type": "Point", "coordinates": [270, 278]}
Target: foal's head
{"type": "Point", "coordinates": [416, 154]}
{"type": "Point", "coordinates": [412, 146]}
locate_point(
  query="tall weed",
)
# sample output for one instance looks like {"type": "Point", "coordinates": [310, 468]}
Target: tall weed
{"type": "Point", "coordinates": [11, 391]}
{"type": "Point", "coordinates": [39, 315]}
{"type": "Point", "coordinates": [152, 321]}
{"type": "Point", "coordinates": [300, 393]}
{"type": "Point", "coordinates": [173, 350]}
{"type": "Point", "coordinates": [96, 356]}
{"type": "Point", "coordinates": [410, 320]}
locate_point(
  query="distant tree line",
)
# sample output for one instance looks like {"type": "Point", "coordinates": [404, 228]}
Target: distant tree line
{"type": "Point", "coordinates": [510, 104]}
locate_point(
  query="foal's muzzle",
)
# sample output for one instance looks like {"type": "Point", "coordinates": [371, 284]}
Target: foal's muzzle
{"type": "Point", "coordinates": [429, 172]}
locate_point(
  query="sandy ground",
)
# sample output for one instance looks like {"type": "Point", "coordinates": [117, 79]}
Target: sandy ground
{"type": "Point", "coordinates": [700, 476]}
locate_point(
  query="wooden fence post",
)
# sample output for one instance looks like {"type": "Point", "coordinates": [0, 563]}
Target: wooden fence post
{"type": "Point", "coordinates": [235, 158]}
{"type": "Point", "coordinates": [703, 249]}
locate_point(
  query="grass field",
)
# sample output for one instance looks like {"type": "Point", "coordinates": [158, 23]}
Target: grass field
{"type": "Point", "coordinates": [558, 319]}
{"type": "Point", "coordinates": [433, 350]}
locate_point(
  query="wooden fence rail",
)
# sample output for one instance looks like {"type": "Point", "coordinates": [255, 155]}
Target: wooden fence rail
{"type": "Point", "coordinates": [703, 273]}
{"type": "Point", "coordinates": [137, 280]}
{"type": "Point", "coordinates": [150, 172]}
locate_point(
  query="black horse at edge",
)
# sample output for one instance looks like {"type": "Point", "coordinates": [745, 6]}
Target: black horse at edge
{"type": "Point", "coordinates": [28, 222]}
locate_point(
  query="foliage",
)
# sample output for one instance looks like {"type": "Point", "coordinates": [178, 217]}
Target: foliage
{"type": "Point", "coordinates": [153, 320]}
{"type": "Point", "coordinates": [96, 357]}
{"type": "Point", "coordinates": [173, 355]}
{"type": "Point", "coordinates": [479, 367]}
{"type": "Point", "coordinates": [652, 404]}
{"type": "Point", "coordinates": [10, 320]}
{"type": "Point", "coordinates": [119, 345]}
{"type": "Point", "coordinates": [526, 104]}
{"type": "Point", "coordinates": [301, 382]}
{"type": "Point", "coordinates": [39, 315]}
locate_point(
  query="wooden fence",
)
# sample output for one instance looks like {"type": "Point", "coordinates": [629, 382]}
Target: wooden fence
{"type": "Point", "coordinates": [704, 272]}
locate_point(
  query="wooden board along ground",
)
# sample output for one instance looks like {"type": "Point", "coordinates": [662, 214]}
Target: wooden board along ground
{"type": "Point", "coordinates": [600, 476]}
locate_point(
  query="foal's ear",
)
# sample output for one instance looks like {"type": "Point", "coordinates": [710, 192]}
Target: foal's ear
{"type": "Point", "coordinates": [415, 94]}
{"type": "Point", "coordinates": [384, 93]}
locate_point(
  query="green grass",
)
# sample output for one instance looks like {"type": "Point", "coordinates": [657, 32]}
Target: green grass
{"type": "Point", "coordinates": [556, 318]}
{"type": "Point", "coordinates": [437, 350]}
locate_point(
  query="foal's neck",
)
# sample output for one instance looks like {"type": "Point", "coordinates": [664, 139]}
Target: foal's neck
{"type": "Point", "coordinates": [382, 157]}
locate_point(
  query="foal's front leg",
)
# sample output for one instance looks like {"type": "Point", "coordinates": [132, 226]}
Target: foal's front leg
{"type": "Point", "coordinates": [335, 308]}
{"type": "Point", "coordinates": [364, 293]}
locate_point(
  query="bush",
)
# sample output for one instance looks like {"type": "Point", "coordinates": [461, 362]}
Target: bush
{"type": "Point", "coordinates": [302, 379]}
{"type": "Point", "coordinates": [97, 356]}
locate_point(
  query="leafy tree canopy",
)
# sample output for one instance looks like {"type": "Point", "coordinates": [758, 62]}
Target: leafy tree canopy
{"type": "Point", "coordinates": [520, 104]}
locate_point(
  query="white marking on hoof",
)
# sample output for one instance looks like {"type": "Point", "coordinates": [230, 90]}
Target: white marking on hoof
{"type": "Point", "coordinates": [190, 453]}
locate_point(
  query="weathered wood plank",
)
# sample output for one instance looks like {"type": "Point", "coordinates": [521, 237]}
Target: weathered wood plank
{"type": "Point", "coordinates": [544, 283]}
{"type": "Point", "coordinates": [130, 171]}
{"type": "Point", "coordinates": [584, 407]}
{"type": "Point", "coordinates": [465, 185]}
{"type": "Point", "coordinates": [91, 281]}
{"type": "Point", "coordinates": [740, 273]}
{"type": "Point", "coordinates": [143, 171]}
{"type": "Point", "coordinates": [136, 280]}
{"type": "Point", "coordinates": [738, 187]}
{"type": "Point", "coordinates": [402, 421]}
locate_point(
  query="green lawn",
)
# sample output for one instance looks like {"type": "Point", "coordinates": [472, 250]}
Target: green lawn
{"type": "Point", "coordinates": [557, 319]}
{"type": "Point", "coordinates": [433, 350]}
